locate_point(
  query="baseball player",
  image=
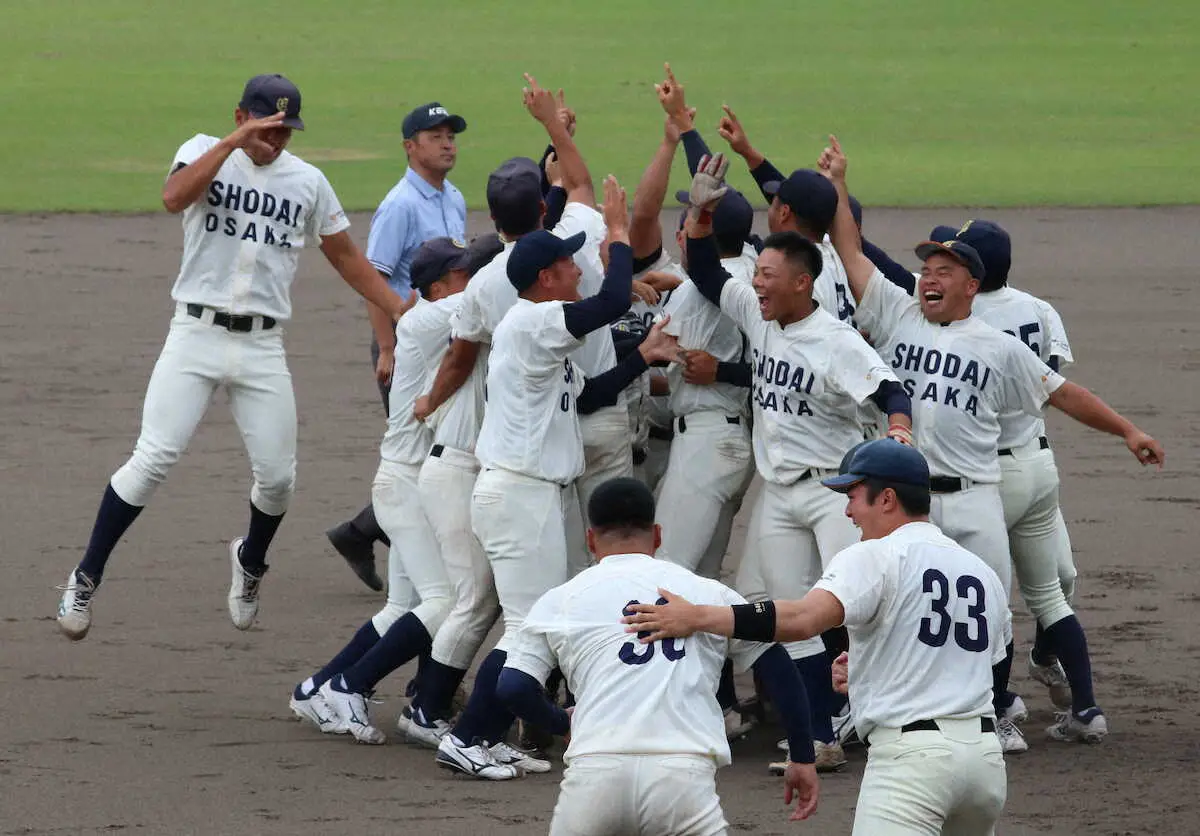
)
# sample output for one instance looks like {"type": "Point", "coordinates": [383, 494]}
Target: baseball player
{"type": "Point", "coordinates": [530, 448]}
{"type": "Point", "coordinates": [963, 375]}
{"type": "Point", "coordinates": [249, 207]}
{"type": "Point", "coordinates": [646, 735]}
{"type": "Point", "coordinates": [424, 204]}
{"type": "Point", "coordinates": [335, 698]}
{"type": "Point", "coordinates": [812, 374]}
{"type": "Point", "coordinates": [928, 623]}
{"type": "Point", "coordinates": [1037, 533]}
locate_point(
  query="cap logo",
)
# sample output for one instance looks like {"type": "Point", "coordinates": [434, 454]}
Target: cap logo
{"type": "Point", "coordinates": [966, 226]}
{"type": "Point", "coordinates": [438, 111]}
{"type": "Point", "coordinates": [281, 104]}
{"type": "Point", "coordinates": [460, 244]}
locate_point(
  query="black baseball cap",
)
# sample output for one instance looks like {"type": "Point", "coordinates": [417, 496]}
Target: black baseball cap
{"type": "Point", "coordinates": [884, 459]}
{"type": "Point", "coordinates": [430, 116]}
{"type": "Point", "coordinates": [535, 252]}
{"type": "Point", "coordinates": [994, 246]}
{"type": "Point", "coordinates": [621, 502]}
{"type": "Point", "coordinates": [266, 95]}
{"type": "Point", "coordinates": [943, 232]}
{"type": "Point", "coordinates": [516, 182]}
{"type": "Point", "coordinates": [960, 251]}
{"type": "Point", "coordinates": [734, 216]}
{"type": "Point", "coordinates": [434, 259]}
{"type": "Point", "coordinates": [481, 250]}
{"type": "Point", "coordinates": [809, 194]}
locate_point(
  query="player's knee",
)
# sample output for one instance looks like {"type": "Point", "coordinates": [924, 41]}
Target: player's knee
{"type": "Point", "coordinates": [383, 620]}
{"type": "Point", "coordinates": [1047, 602]}
{"type": "Point", "coordinates": [433, 609]}
{"type": "Point", "coordinates": [138, 479]}
{"type": "Point", "coordinates": [273, 488]}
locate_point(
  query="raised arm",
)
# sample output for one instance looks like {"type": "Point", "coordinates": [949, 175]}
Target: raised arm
{"type": "Point", "coordinates": [1087, 408]}
{"type": "Point", "coordinates": [543, 106]}
{"type": "Point", "coordinates": [704, 261]}
{"type": "Point", "coordinates": [645, 230]}
{"type": "Point", "coordinates": [731, 130]}
{"type": "Point", "coordinates": [187, 183]}
{"type": "Point", "coordinates": [670, 96]}
{"type": "Point", "coordinates": [844, 233]}
{"type": "Point", "coordinates": [615, 295]}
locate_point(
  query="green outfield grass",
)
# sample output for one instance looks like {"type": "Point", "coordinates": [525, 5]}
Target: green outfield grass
{"type": "Point", "coordinates": [1085, 102]}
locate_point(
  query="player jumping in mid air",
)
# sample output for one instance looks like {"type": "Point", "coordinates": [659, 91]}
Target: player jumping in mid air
{"type": "Point", "coordinates": [249, 208]}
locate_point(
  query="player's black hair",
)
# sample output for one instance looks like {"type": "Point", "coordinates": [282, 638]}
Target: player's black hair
{"type": "Point", "coordinates": [798, 250]}
{"type": "Point", "coordinates": [515, 217]}
{"type": "Point", "coordinates": [622, 506]}
{"type": "Point", "coordinates": [912, 498]}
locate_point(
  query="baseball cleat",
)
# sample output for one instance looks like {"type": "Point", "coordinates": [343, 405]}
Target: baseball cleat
{"type": "Point", "coordinates": [358, 552]}
{"type": "Point", "coordinates": [1053, 677]}
{"type": "Point", "coordinates": [75, 608]}
{"type": "Point", "coordinates": [350, 709]}
{"type": "Point", "coordinates": [314, 709]}
{"type": "Point", "coordinates": [843, 727]}
{"type": "Point", "coordinates": [736, 725]}
{"type": "Point", "coordinates": [417, 729]}
{"type": "Point", "coordinates": [535, 741]}
{"type": "Point", "coordinates": [476, 760]}
{"type": "Point", "coordinates": [506, 753]}
{"type": "Point", "coordinates": [1016, 712]}
{"type": "Point", "coordinates": [830, 756]}
{"type": "Point", "coordinates": [1012, 742]}
{"type": "Point", "coordinates": [1089, 726]}
{"type": "Point", "coordinates": [243, 590]}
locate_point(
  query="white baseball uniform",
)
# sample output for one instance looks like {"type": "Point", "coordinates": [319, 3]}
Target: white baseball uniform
{"type": "Point", "coordinates": [810, 381]}
{"type": "Point", "coordinates": [1037, 532]}
{"type": "Point", "coordinates": [927, 620]}
{"type": "Point", "coordinates": [711, 461]}
{"type": "Point", "coordinates": [422, 337]}
{"type": "Point", "coordinates": [531, 449]}
{"type": "Point", "coordinates": [962, 377]}
{"type": "Point", "coordinates": [241, 244]}
{"type": "Point", "coordinates": [650, 415]}
{"type": "Point", "coordinates": [831, 289]}
{"type": "Point", "coordinates": [647, 734]}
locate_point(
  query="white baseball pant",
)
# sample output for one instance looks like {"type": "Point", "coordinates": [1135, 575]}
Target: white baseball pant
{"type": "Point", "coordinates": [1037, 533]}
{"type": "Point", "coordinates": [445, 484]}
{"type": "Point", "coordinates": [795, 530]}
{"type": "Point", "coordinates": [521, 524]}
{"type": "Point", "coordinates": [615, 795]}
{"type": "Point", "coordinates": [196, 359]}
{"type": "Point", "coordinates": [709, 468]}
{"type": "Point", "coordinates": [974, 518]}
{"type": "Point", "coordinates": [932, 783]}
{"type": "Point", "coordinates": [607, 454]}
{"type": "Point", "coordinates": [414, 554]}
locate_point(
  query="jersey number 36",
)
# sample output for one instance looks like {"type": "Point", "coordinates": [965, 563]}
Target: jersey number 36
{"type": "Point", "coordinates": [971, 634]}
{"type": "Point", "coordinates": [636, 653]}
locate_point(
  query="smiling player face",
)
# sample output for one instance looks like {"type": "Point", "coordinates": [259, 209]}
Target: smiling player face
{"type": "Point", "coordinates": [945, 289]}
{"type": "Point", "coordinates": [783, 290]}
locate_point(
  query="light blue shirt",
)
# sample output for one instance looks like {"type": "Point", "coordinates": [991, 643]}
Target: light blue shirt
{"type": "Point", "coordinates": [411, 214]}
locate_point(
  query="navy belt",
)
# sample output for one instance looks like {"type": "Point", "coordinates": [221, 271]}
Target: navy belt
{"type": "Point", "coordinates": [986, 724]}
{"type": "Point", "coordinates": [1043, 444]}
{"type": "Point", "coordinates": [945, 484]}
{"type": "Point", "coordinates": [230, 322]}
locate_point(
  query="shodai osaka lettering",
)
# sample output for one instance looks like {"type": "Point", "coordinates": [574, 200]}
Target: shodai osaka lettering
{"type": "Point", "coordinates": [972, 377]}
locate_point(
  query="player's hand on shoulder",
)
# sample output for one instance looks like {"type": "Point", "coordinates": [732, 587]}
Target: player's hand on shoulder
{"type": "Point", "coordinates": [1145, 448]}
{"type": "Point", "coordinates": [708, 183]}
{"type": "Point", "coordinates": [800, 782]}
{"type": "Point", "coordinates": [699, 367]}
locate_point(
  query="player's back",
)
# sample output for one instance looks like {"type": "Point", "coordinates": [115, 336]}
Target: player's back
{"type": "Point", "coordinates": [634, 698]}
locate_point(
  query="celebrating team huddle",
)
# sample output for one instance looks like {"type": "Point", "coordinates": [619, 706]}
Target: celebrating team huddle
{"type": "Point", "coordinates": [574, 418]}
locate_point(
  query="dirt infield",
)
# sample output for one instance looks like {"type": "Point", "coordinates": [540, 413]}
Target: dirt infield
{"type": "Point", "coordinates": [167, 720]}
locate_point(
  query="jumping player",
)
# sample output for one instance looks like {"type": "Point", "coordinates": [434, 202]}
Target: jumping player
{"type": "Point", "coordinates": [249, 207]}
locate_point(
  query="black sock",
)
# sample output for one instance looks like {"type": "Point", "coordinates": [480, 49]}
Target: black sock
{"type": "Point", "coordinates": [818, 682]}
{"type": "Point", "coordinates": [254, 548]}
{"type": "Point", "coordinates": [1000, 673]}
{"type": "Point", "coordinates": [366, 525]}
{"type": "Point", "coordinates": [726, 690]}
{"type": "Point", "coordinates": [484, 712]}
{"type": "Point", "coordinates": [403, 641]}
{"type": "Point", "coordinates": [112, 521]}
{"type": "Point", "coordinates": [1042, 653]}
{"type": "Point", "coordinates": [363, 641]}
{"type": "Point", "coordinates": [413, 687]}
{"type": "Point", "coordinates": [1070, 644]}
{"type": "Point", "coordinates": [436, 685]}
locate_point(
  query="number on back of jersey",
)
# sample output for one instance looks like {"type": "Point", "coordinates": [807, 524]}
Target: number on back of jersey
{"type": "Point", "coordinates": [935, 630]}
{"type": "Point", "coordinates": [636, 653]}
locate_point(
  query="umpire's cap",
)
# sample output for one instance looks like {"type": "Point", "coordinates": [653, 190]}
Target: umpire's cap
{"type": "Point", "coordinates": [268, 94]}
{"type": "Point", "coordinates": [537, 251]}
{"type": "Point", "coordinates": [429, 116]}
{"type": "Point", "coordinates": [886, 460]}
{"type": "Point", "coordinates": [623, 502]}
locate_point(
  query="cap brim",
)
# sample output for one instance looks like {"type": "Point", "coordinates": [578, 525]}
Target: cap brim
{"type": "Point", "coordinates": [843, 482]}
{"type": "Point", "coordinates": [293, 122]}
{"type": "Point", "coordinates": [573, 244]}
{"type": "Point", "coordinates": [771, 187]}
{"type": "Point", "coordinates": [928, 248]}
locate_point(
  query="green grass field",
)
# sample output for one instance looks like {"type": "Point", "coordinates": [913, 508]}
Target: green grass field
{"type": "Point", "coordinates": [1080, 102]}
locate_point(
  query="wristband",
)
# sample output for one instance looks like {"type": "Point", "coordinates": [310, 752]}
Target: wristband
{"type": "Point", "coordinates": [901, 433]}
{"type": "Point", "coordinates": [754, 622]}
{"type": "Point", "coordinates": [704, 217]}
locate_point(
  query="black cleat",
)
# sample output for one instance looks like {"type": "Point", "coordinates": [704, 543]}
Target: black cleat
{"type": "Point", "coordinates": [358, 551]}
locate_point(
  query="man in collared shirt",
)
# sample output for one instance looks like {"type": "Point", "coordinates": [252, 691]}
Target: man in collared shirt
{"type": "Point", "coordinates": [422, 206]}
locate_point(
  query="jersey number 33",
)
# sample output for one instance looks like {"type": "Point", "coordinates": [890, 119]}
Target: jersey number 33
{"type": "Point", "coordinates": [970, 634]}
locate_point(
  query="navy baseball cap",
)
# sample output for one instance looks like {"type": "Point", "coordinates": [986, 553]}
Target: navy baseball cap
{"type": "Point", "coordinates": [621, 502]}
{"type": "Point", "coordinates": [266, 95]}
{"type": "Point", "coordinates": [733, 216]}
{"type": "Point", "coordinates": [961, 252]}
{"type": "Point", "coordinates": [809, 194]}
{"type": "Point", "coordinates": [994, 247]}
{"type": "Point", "coordinates": [516, 182]}
{"type": "Point", "coordinates": [430, 116]}
{"type": "Point", "coordinates": [481, 250]}
{"type": "Point", "coordinates": [942, 232]}
{"type": "Point", "coordinates": [537, 251]}
{"type": "Point", "coordinates": [884, 459]}
{"type": "Point", "coordinates": [434, 259]}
